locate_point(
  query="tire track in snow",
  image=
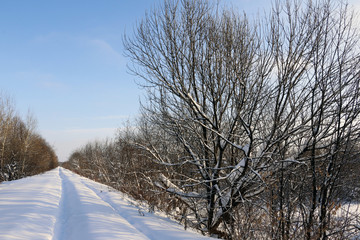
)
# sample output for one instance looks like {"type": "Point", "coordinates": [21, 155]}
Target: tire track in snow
{"type": "Point", "coordinates": [64, 227]}
{"type": "Point", "coordinates": [134, 232]}
{"type": "Point", "coordinates": [61, 205]}
{"type": "Point", "coordinates": [128, 219]}
{"type": "Point", "coordinates": [59, 223]}
{"type": "Point", "coordinates": [152, 226]}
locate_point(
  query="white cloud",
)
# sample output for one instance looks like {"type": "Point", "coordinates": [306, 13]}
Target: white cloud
{"type": "Point", "coordinates": [52, 84]}
{"type": "Point", "coordinates": [98, 46]}
{"type": "Point", "coordinates": [43, 80]}
{"type": "Point", "coordinates": [34, 75]}
{"type": "Point", "coordinates": [106, 50]}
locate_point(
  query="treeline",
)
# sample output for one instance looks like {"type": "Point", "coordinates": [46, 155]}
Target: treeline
{"type": "Point", "coordinates": [121, 164]}
{"type": "Point", "coordinates": [23, 152]}
{"type": "Point", "coordinates": [250, 129]}
{"type": "Point", "coordinates": [126, 166]}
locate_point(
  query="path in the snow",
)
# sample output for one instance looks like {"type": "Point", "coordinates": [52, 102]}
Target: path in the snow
{"type": "Point", "coordinates": [60, 205]}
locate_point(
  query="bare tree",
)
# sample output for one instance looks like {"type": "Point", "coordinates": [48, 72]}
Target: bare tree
{"type": "Point", "coordinates": [6, 119]}
{"type": "Point", "coordinates": [22, 151]}
{"type": "Point", "coordinates": [232, 106]}
{"type": "Point", "coordinates": [28, 133]}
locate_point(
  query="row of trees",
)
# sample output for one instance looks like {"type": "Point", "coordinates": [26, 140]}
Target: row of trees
{"type": "Point", "coordinates": [249, 129]}
{"type": "Point", "coordinates": [125, 166]}
{"type": "Point", "coordinates": [119, 164]}
{"type": "Point", "coordinates": [23, 152]}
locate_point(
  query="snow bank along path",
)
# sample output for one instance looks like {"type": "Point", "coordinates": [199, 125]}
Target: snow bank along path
{"type": "Point", "coordinates": [61, 205]}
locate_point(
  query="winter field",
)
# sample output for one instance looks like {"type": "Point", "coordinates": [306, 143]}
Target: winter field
{"type": "Point", "coordinates": [62, 205]}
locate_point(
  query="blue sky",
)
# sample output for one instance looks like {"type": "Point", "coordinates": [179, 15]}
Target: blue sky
{"type": "Point", "coordinates": [63, 61]}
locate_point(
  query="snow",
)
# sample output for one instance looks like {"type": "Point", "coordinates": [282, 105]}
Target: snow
{"type": "Point", "coordinates": [237, 170]}
{"type": "Point", "coordinates": [62, 205]}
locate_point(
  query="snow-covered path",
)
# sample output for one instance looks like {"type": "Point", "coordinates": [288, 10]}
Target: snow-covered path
{"type": "Point", "coordinates": [61, 205]}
